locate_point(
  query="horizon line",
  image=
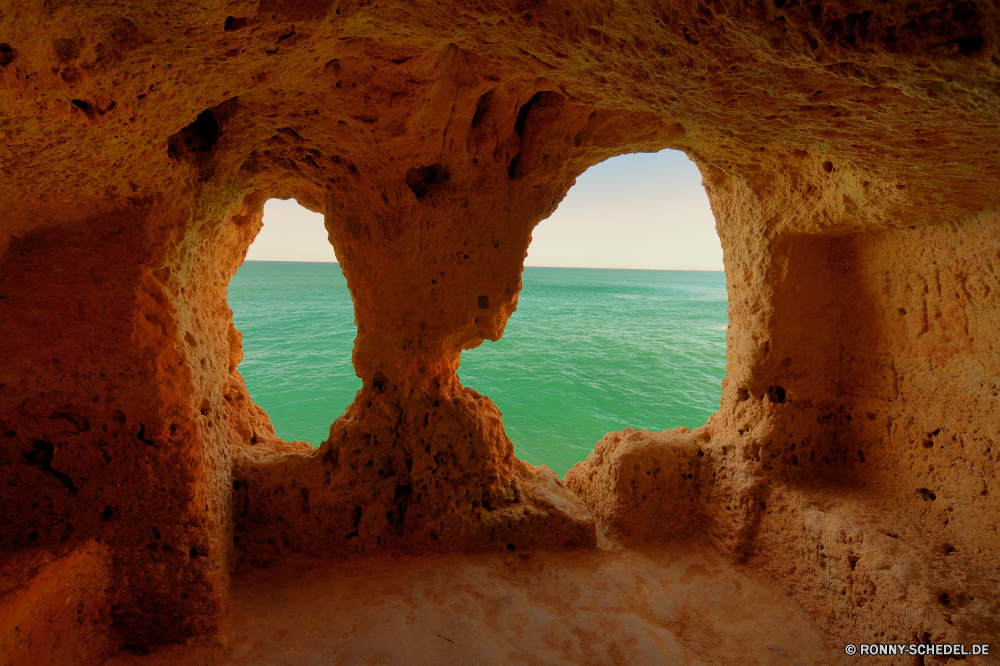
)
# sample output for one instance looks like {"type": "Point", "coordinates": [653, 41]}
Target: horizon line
{"type": "Point", "coordinates": [587, 268]}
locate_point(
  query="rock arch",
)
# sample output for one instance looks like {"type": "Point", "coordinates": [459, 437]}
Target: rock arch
{"type": "Point", "coordinates": [848, 155]}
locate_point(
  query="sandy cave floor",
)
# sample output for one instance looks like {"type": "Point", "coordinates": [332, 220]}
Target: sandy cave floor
{"type": "Point", "coordinates": [680, 605]}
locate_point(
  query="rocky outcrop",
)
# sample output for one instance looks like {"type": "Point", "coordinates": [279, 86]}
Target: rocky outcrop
{"type": "Point", "coordinates": [847, 148]}
{"type": "Point", "coordinates": [649, 486]}
{"type": "Point", "coordinates": [424, 472]}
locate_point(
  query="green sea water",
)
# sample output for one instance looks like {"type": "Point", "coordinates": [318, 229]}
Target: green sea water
{"type": "Point", "coordinates": [587, 352]}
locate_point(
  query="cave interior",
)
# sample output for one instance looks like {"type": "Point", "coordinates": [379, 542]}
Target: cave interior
{"type": "Point", "coordinates": [848, 482]}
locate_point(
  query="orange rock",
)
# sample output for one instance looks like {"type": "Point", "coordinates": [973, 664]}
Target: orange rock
{"type": "Point", "coordinates": [848, 152]}
{"type": "Point", "coordinates": [646, 485]}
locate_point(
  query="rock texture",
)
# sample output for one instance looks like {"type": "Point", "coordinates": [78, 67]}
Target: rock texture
{"type": "Point", "coordinates": [849, 149]}
{"type": "Point", "coordinates": [666, 605]}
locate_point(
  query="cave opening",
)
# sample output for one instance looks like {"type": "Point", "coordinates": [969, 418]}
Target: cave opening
{"type": "Point", "coordinates": [621, 320]}
{"type": "Point", "coordinates": [622, 316]}
{"type": "Point", "coordinates": [291, 303]}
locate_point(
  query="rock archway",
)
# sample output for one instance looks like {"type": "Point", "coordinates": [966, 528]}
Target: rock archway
{"type": "Point", "coordinates": [848, 152]}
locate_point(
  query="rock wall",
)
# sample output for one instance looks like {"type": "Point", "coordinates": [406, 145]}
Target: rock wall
{"type": "Point", "coordinates": [848, 150]}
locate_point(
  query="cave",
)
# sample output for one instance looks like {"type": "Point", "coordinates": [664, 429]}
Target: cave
{"type": "Point", "coordinates": [845, 492]}
{"type": "Point", "coordinates": [621, 316]}
{"type": "Point", "coordinates": [294, 315]}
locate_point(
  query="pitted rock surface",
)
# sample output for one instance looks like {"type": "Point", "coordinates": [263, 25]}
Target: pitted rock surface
{"type": "Point", "coordinates": [849, 151]}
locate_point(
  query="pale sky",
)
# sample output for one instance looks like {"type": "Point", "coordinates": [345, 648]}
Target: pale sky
{"type": "Point", "coordinates": [291, 233]}
{"type": "Point", "coordinates": [645, 210]}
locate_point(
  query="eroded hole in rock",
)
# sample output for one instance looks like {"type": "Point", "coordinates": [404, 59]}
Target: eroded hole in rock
{"type": "Point", "coordinates": [233, 23]}
{"type": "Point", "coordinates": [6, 54]}
{"type": "Point", "coordinates": [424, 180]}
{"type": "Point", "coordinates": [522, 114]}
{"type": "Point", "coordinates": [622, 317]}
{"type": "Point", "coordinates": [82, 106]}
{"type": "Point", "coordinates": [197, 139]}
{"type": "Point", "coordinates": [483, 107]}
{"type": "Point", "coordinates": [291, 303]}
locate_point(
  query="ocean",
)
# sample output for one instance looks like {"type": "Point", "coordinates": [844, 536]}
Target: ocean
{"type": "Point", "coordinates": [587, 352]}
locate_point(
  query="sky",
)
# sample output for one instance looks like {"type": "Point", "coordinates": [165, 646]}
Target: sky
{"type": "Point", "coordinates": [644, 210]}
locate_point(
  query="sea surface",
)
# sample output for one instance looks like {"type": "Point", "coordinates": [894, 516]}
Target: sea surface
{"type": "Point", "coordinates": [587, 352]}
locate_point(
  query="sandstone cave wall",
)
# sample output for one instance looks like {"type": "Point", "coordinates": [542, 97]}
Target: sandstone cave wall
{"type": "Point", "coordinates": [845, 148]}
{"type": "Point", "coordinates": [881, 466]}
{"type": "Point", "coordinates": [854, 459]}
{"type": "Point", "coordinates": [101, 438]}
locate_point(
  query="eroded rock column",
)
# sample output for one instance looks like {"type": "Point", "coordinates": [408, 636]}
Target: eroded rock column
{"type": "Point", "coordinates": [432, 247]}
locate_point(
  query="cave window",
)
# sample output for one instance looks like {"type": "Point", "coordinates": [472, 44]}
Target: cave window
{"type": "Point", "coordinates": [290, 301]}
{"type": "Point", "coordinates": [622, 317]}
